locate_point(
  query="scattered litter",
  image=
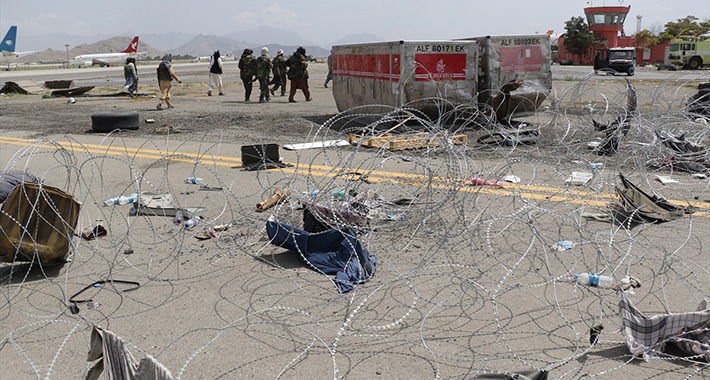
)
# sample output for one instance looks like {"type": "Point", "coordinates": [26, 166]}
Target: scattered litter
{"type": "Point", "coordinates": [210, 188]}
{"type": "Point", "coordinates": [641, 207]}
{"type": "Point", "coordinates": [128, 251]}
{"type": "Point", "coordinates": [594, 280]}
{"type": "Point", "coordinates": [593, 144]}
{"type": "Point", "coordinates": [222, 227]}
{"type": "Point", "coordinates": [195, 180]}
{"type": "Point", "coordinates": [579, 178]}
{"type": "Point", "coordinates": [318, 144]}
{"type": "Point", "coordinates": [207, 233]}
{"type": "Point", "coordinates": [665, 179]}
{"type": "Point", "coordinates": [475, 181]}
{"type": "Point", "coordinates": [92, 232]}
{"type": "Point", "coordinates": [647, 336]}
{"type": "Point", "coordinates": [277, 197]}
{"type": "Point", "coordinates": [71, 100]}
{"type": "Point", "coordinates": [563, 245]}
{"type": "Point", "coordinates": [596, 165]}
{"type": "Point", "coordinates": [163, 205]}
{"type": "Point", "coordinates": [511, 178]}
{"type": "Point", "coordinates": [149, 121]}
{"type": "Point", "coordinates": [700, 175]}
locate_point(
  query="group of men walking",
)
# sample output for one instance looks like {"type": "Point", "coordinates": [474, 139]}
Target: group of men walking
{"type": "Point", "coordinates": [294, 69]}
{"type": "Point", "coordinates": [251, 69]}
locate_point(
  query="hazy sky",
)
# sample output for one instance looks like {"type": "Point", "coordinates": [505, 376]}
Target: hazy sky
{"type": "Point", "coordinates": [325, 21]}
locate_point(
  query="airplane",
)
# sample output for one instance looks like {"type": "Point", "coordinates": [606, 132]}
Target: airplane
{"type": "Point", "coordinates": [106, 59]}
{"type": "Point", "coordinates": [7, 47]}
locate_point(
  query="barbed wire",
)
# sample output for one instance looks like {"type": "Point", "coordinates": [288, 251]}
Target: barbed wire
{"type": "Point", "coordinates": [472, 278]}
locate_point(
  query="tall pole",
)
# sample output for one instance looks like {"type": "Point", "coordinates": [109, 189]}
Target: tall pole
{"type": "Point", "coordinates": [67, 46]}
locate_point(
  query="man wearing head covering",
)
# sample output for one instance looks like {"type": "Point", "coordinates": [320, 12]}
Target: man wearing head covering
{"type": "Point", "coordinates": [247, 70]}
{"type": "Point", "coordinates": [165, 78]}
{"type": "Point", "coordinates": [280, 64]}
{"type": "Point", "coordinates": [215, 74]}
{"type": "Point", "coordinates": [263, 72]}
{"type": "Point", "coordinates": [298, 74]}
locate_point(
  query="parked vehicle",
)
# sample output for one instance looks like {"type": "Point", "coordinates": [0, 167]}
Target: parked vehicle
{"type": "Point", "coordinates": [690, 53]}
{"type": "Point", "coordinates": [616, 60]}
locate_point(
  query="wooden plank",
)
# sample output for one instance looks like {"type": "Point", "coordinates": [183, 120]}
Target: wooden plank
{"type": "Point", "coordinates": [401, 142]}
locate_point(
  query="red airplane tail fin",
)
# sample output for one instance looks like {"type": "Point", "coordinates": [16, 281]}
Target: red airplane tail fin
{"type": "Point", "coordinates": [132, 47]}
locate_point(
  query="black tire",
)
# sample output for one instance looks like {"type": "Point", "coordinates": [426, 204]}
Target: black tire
{"type": "Point", "coordinates": [630, 71]}
{"type": "Point", "coordinates": [110, 121]}
{"type": "Point", "coordinates": [695, 63]}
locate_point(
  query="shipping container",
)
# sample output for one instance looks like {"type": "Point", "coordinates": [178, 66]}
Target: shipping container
{"type": "Point", "coordinates": [401, 73]}
{"type": "Point", "coordinates": [436, 75]}
{"type": "Point", "coordinates": [523, 59]}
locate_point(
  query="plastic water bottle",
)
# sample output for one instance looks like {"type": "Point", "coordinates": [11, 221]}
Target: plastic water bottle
{"type": "Point", "coordinates": [122, 200]}
{"type": "Point", "coordinates": [178, 218]}
{"type": "Point", "coordinates": [195, 180]}
{"type": "Point", "coordinates": [594, 280]}
{"type": "Point", "coordinates": [339, 195]}
{"type": "Point", "coordinates": [191, 222]}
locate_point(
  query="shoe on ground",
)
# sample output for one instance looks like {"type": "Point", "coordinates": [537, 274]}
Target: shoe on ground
{"type": "Point", "coordinates": [159, 107]}
{"type": "Point", "coordinates": [272, 91]}
{"type": "Point", "coordinates": [291, 101]}
{"type": "Point", "coordinates": [309, 99]}
{"type": "Point", "coordinates": [171, 106]}
{"type": "Point", "coordinates": [209, 93]}
{"type": "Point", "coordinates": [325, 85]}
{"type": "Point", "coordinates": [221, 93]}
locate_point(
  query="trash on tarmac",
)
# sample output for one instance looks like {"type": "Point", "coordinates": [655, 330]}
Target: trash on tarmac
{"type": "Point", "coordinates": [475, 181]}
{"type": "Point", "coordinates": [163, 205]}
{"type": "Point", "coordinates": [563, 245]}
{"type": "Point", "coordinates": [92, 232]}
{"type": "Point", "coordinates": [665, 179]}
{"type": "Point", "coordinates": [579, 178]}
{"type": "Point", "coordinates": [511, 178]}
{"type": "Point", "coordinates": [277, 197]}
{"type": "Point", "coordinates": [641, 207]}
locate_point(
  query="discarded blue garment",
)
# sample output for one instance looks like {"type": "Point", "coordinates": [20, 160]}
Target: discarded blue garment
{"type": "Point", "coordinates": [335, 251]}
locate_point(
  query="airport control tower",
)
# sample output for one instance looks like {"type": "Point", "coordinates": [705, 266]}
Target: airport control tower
{"type": "Point", "coordinates": [607, 21]}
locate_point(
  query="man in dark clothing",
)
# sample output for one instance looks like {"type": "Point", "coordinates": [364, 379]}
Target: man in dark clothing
{"type": "Point", "coordinates": [298, 74]}
{"type": "Point", "coordinates": [247, 70]}
{"type": "Point", "coordinates": [280, 64]}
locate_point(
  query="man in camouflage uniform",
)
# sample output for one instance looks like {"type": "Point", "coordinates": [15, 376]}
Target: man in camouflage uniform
{"type": "Point", "coordinates": [247, 70]}
{"type": "Point", "coordinates": [280, 64]}
{"type": "Point", "coordinates": [263, 72]}
{"type": "Point", "coordinates": [298, 74]}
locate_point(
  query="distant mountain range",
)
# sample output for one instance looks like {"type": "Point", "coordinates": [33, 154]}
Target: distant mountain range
{"type": "Point", "coordinates": [178, 43]}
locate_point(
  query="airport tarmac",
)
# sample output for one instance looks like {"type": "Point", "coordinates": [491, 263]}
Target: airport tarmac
{"type": "Point", "coordinates": [470, 280]}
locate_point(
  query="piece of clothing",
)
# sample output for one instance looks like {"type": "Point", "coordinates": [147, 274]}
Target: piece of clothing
{"type": "Point", "coordinates": [299, 84]}
{"type": "Point", "coordinates": [298, 66]}
{"type": "Point", "coordinates": [216, 64]}
{"type": "Point", "coordinates": [165, 86]}
{"type": "Point", "coordinates": [118, 362]}
{"type": "Point", "coordinates": [11, 178]}
{"type": "Point", "coordinates": [215, 83]}
{"type": "Point", "coordinates": [247, 64]}
{"type": "Point", "coordinates": [647, 336]}
{"type": "Point", "coordinates": [640, 207]}
{"type": "Point", "coordinates": [334, 252]}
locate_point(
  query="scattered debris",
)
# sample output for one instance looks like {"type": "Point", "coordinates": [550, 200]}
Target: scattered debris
{"type": "Point", "coordinates": [24, 87]}
{"type": "Point", "coordinates": [317, 144]}
{"type": "Point", "coordinates": [277, 197]}
{"type": "Point", "coordinates": [647, 336]}
{"type": "Point", "coordinates": [579, 178]}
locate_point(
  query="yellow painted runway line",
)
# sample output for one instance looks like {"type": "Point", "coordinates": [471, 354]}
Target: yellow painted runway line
{"type": "Point", "coordinates": [528, 192]}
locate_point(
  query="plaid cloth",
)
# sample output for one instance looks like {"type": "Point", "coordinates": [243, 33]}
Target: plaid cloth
{"type": "Point", "coordinates": [647, 336]}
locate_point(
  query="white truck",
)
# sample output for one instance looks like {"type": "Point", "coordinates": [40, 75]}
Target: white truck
{"type": "Point", "coordinates": [433, 76]}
